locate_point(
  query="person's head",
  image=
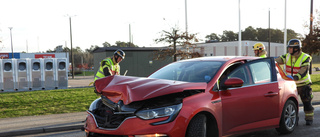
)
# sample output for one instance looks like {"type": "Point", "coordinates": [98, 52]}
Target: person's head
{"type": "Point", "coordinates": [118, 55]}
{"type": "Point", "coordinates": [258, 48]}
{"type": "Point", "coordinates": [294, 46]}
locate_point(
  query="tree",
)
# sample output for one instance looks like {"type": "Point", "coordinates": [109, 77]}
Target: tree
{"type": "Point", "coordinates": [262, 34]}
{"type": "Point", "coordinates": [229, 36]}
{"type": "Point", "coordinates": [259, 34]}
{"type": "Point", "coordinates": [213, 36]}
{"type": "Point", "coordinates": [92, 48]}
{"type": "Point", "coordinates": [174, 37]}
{"type": "Point", "coordinates": [124, 44]}
{"type": "Point", "coordinates": [276, 36]}
{"type": "Point", "coordinates": [106, 44]}
{"type": "Point", "coordinates": [291, 34]}
{"type": "Point", "coordinates": [311, 43]}
{"type": "Point", "coordinates": [249, 34]}
{"type": "Point", "coordinates": [58, 49]}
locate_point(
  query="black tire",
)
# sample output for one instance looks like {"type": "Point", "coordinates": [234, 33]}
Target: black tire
{"type": "Point", "coordinates": [289, 118]}
{"type": "Point", "coordinates": [197, 126]}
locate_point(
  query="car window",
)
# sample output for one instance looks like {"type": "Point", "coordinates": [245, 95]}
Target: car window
{"type": "Point", "coordinates": [253, 72]}
{"type": "Point", "coordinates": [189, 71]}
{"type": "Point", "coordinates": [243, 73]}
{"type": "Point", "coordinates": [261, 72]}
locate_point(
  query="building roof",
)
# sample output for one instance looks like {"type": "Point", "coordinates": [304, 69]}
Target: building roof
{"type": "Point", "coordinates": [104, 49]}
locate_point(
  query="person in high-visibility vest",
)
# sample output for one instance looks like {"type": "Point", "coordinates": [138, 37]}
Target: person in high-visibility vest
{"type": "Point", "coordinates": [296, 66]}
{"type": "Point", "coordinates": [259, 50]}
{"type": "Point", "coordinates": [110, 65]}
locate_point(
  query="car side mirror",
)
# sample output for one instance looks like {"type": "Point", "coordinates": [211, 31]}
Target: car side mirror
{"type": "Point", "coordinates": [232, 83]}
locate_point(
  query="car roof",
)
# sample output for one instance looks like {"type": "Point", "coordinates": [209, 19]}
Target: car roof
{"type": "Point", "coordinates": [221, 58]}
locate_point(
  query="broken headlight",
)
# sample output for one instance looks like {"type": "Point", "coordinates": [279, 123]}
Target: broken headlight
{"type": "Point", "coordinates": [94, 105]}
{"type": "Point", "coordinates": [159, 112]}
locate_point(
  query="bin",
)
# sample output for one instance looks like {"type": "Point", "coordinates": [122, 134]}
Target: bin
{"type": "Point", "coordinates": [62, 69]}
{"type": "Point", "coordinates": [37, 78]}
{"type": "Point", "coordinates": [9, 77]}
{"type": "Point", "coordinates": [23, 74]}
{"type": "Point", "coordinates": [50, 74]}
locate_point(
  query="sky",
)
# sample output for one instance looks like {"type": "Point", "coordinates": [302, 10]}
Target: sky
{"type": "Point", "coordinates": [40, 25]}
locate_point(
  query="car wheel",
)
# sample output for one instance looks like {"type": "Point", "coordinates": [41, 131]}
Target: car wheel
{"type": "Point", "coordinates": [197, 126]}
{"type": "Point", "coordinates": [289, 118]}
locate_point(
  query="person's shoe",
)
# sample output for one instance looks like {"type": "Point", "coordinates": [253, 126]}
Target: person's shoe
{"type": "Point", "coordinates": [309, 122]}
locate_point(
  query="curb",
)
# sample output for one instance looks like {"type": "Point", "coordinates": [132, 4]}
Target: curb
{"type": "Point", "coordinates": [41, 130]}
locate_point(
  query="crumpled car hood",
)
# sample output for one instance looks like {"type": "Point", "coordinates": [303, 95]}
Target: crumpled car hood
{"type": "Point", "coordinates": [130, 89]}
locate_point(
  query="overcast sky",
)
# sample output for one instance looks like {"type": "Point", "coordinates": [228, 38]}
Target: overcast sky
{"type": "Point", "coordinates": [39, 25]}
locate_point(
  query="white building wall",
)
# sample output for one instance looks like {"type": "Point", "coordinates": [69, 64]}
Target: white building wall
{"type": "Point", "coordinates": [220, 51]}
{"type": "Point", "coordinates": [230, 48]}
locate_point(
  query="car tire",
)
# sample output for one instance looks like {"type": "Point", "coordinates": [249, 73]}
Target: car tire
{"type": "Point", "coordinates": [197, 126]}
{"type": "Point", "coordinates": [289, 118]}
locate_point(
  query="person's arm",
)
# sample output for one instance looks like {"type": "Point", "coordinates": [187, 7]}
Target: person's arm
{"type": "Point", "coordinates": [303, 71]}
{"type": "Point", "coordinates": [106, 70]}
{"type": "Point", "coordinates": [281, 59]}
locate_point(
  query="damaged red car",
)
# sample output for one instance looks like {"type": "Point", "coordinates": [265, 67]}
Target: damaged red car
{"type": "Point", "coordinates": [201, 97]}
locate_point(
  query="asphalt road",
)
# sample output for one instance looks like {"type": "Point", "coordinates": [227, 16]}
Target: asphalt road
{"type": "Point", "coordinates": [301, 131]}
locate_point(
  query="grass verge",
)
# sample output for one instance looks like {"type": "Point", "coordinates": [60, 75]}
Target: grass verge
{"type": "Point", "coordinates": [315, 78]}
{"type": "Point", "coordinates": [44, 102]}
{"type": "Point", "coordinates": [15, 104]}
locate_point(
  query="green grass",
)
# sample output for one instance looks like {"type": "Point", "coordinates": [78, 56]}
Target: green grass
{"type": "Point", "coordinates": [15, 104]}
{"type": "Point", "coordinates": [44, 102]}
{"type": "Point", "coordinates": [315, 78]}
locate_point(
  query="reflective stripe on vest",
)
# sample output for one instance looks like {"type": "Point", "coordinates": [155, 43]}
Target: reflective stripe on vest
{"type": "Point", "coordinates": [293, 69]}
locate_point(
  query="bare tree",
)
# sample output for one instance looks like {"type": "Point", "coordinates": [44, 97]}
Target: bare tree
{"type": "Point", "coordinates": [176, 38]}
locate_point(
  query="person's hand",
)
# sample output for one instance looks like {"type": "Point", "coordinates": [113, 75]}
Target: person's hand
{"type": "Point", "coordinates": [289, 76]}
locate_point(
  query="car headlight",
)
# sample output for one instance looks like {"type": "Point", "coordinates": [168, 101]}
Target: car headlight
{"type": "Point", "coordinates": [159, 112]}
{"type": "Point", "coordinates": [93, 105]}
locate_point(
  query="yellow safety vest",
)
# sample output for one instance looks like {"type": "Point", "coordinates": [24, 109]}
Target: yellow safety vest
{"type": "Point", "coordinates": [263, 56]}
{"type": "Point", "coordinates": [293, 69]}
{"type": "Point", "coordinates": [113, 68]}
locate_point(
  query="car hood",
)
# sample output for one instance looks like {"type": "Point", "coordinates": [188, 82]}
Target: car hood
{"type": "Point", "coordinates": [130, 89]}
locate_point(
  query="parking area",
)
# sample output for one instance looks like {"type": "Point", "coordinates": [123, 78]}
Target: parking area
{"type": "Point", "coordinates": [80, 81]}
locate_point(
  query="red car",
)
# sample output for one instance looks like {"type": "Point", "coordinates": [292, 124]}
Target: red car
{"type": "Point", "coordinates": [201, 97]}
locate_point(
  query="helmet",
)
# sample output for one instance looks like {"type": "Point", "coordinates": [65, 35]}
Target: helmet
{"type": "Point", "coordinates": [294, 43]}
{"type": "Point", "coordinates": [120, 53]}
{"type": "Point", "coordinates": [258, 46]}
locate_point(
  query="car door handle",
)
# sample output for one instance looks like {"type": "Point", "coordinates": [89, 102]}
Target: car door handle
{"type": "Point", "coordinates": [271, 94]}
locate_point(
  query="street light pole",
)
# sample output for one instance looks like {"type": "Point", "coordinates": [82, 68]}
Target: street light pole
{"type": "Point", "coordinates": [186, 17]}
{"type": "Point", "coordinates": [239, 35]}
{"type": "Point", "coordinates": [269, 33]}
{"type": "Point", "coordinates": [11, 41]}
{"type": "Point", "coordinates": [285, 29]}
{"type": "Point", "coordinates": [72, 59]}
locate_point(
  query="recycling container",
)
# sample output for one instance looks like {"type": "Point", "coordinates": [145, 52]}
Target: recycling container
{"type": "Point", "coordinates": [9, 76]}
{"type": "Point", "coordinates": [62, 75]}
{"type": "Point", "coordinates": [37, 74]}
{"type": "Point", "coordinates": [23, 74]}
{"type": "Point", "coordinates": [50, 73]}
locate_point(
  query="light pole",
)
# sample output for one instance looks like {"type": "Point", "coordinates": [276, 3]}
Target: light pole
{"type": "Point", "coordinates": [72, 60]}
{"type": "Point", "coordinates": [11, 41]}
{"type": "Point", "coordinates": [239, 35]}
{"type": "Point", "coordinates": [186, 17]}
{"type": "Point", "coordinates": [285, 28]}
{"type": "Point", "coordinates": [269, 33]}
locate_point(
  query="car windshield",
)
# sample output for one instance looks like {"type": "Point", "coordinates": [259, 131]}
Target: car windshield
{"type": "Point", "coordinates": [189, 71]}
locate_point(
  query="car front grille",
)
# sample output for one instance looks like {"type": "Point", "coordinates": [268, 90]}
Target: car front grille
{"type": "Point", "coordinates": [107, 117]}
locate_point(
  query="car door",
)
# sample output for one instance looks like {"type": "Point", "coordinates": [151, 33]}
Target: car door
{"type": "Point", "coordinates": [255, 104]}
